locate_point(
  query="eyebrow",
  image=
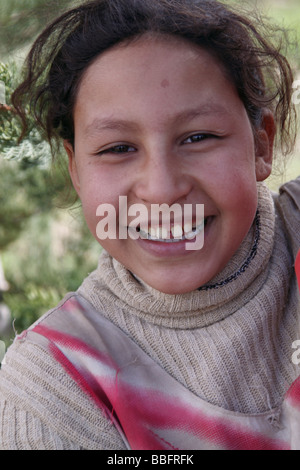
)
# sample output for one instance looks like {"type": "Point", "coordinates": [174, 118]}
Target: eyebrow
{"type": "Point", "coordinates": [100, 124]}
{"type": "Point", "coordinates": [110, 123]}
{"type": "Point", "coordinates": [204, 110]}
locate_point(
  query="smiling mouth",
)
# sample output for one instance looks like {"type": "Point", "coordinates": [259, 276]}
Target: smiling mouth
{"type": "Point", "coordinates": [177, 233]}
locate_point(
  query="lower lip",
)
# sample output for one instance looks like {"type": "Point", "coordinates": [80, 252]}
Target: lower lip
{"type": "Point", "coordinates": [163, 249]}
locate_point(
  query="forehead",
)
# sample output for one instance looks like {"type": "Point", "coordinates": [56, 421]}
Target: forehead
{"type": "Point", "coordinates": [159, 73]}
{"type": "Point", "coordinates": [150, 54]}
{"type": "Point", "coordinates": [148, 45]}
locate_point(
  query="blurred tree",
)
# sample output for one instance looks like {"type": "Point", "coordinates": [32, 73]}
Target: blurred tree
{"type": "Point", "coordinates": [22, 20]}
{"type": "Point", "coordinates": [29, 185]}
{"type": "Point", "coordinates": [25, 187]}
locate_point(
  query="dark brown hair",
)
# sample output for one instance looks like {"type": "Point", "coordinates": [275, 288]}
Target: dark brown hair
{"type": "Point", "coordinates": [62, 53]}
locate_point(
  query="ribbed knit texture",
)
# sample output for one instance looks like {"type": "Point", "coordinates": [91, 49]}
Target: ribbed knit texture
{"type": "Point", "coordinates": [41, 407]}
{"type": "Point", "coordinates": [231, 346]}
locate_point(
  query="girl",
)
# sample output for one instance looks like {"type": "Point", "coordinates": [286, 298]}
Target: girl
{"type": "Point", "coordinates": [173, 102]}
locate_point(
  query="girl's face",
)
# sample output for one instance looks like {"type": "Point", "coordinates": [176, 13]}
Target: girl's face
{"type": "Point", "coordinates": [159, 122]}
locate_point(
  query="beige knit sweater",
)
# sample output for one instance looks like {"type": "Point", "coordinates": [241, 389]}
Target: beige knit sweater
{"type": "Point", "coordinates": [231, 345]}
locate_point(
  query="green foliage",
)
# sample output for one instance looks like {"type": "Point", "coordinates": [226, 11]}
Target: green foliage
{"type": "Point", "coordinates": [28, 182]}
{"type": "Point", "coordinates": [45, 253]}
{"type": "Point", "coordinates": [30, 189]}
{"type": "Point", "coordinates": [51, 258]}
{"type": "Point", "coordinates": [26, 190]}
{"type": "Point", "coordinates": [14, 207]}
{"type": "Point", "coordinates": [282, 13]}
{"type": "Point", "coordinates": [22, 20]}
{"type": "Point", "coordinates": [33, 148]}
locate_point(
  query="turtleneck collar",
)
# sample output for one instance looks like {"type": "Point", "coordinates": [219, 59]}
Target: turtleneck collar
{"type": "Point", "coordinates": [201, 307]}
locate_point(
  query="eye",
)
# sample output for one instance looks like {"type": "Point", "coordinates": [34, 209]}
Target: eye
{"type": "Point", "coordinates": [192, 139]}
{"type": "Point", "coordinates": [117, 150]}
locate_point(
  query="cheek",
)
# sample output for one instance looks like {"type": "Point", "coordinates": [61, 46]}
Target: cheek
{"type": "Point", "coordinates": [235, 195]}
{"type": "Point", "coordinates": [89, 208]}
{"type": "Point", "coordinates": [237, 184]}
{"type": "Point", "coordinates": [93, 191]}
{"type": "Point", "coordinates": [242, 193]}
{"type": "Point", "coordinates": [91, 198]}
{"type": "Point", "coordinates": [100, 207]}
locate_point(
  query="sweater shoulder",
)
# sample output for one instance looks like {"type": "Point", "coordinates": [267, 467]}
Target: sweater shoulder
{"type": "Point", "coordinates": [291, 191]}
{"type": "Point", "coordinates": [287, 204]}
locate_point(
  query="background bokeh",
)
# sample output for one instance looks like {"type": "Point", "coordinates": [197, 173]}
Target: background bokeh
{"type": "Point", "coordinates": [45, 249]}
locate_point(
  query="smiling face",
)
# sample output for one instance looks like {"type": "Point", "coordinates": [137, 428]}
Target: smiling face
{"type": "Point", "coordinates": [159, 122]}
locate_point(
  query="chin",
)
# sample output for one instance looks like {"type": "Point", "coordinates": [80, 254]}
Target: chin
{"type": "Point", "coordinates": [176, 288]}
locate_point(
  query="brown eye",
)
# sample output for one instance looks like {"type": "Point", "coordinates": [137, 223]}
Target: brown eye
{"type": "Point", "coordinates": [118, 149]}
{"type": "Point", "coordinates": [192, 139]}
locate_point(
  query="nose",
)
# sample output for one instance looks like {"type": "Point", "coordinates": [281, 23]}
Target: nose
{"type": "Point", "coordinates": [162, 180]}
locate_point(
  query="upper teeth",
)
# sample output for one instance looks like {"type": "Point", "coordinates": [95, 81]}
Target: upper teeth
{"type": "Point", "coordinates": [162, 233]}
{"type": "Point", "coordinates": [176, 231]}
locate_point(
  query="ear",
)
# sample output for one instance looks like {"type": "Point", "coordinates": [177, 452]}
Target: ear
{"type": "Point", "coordinates": [72, 167]}
{"type": "Point", "coordinates": [265, 136]}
